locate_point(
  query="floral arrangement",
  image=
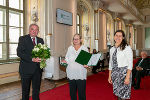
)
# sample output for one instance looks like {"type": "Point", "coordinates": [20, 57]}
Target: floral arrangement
{"type": "Point", "coordinates": [43, 52]}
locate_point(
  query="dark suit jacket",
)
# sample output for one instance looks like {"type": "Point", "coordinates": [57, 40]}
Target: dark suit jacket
{"type": "Point", "coordinates": [145, 64]}
{"type": "Point", "coordinates": [24, 50]}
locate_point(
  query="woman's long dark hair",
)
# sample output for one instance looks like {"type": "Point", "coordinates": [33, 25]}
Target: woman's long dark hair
{"type": "Point", "coordinates": [124, 41]}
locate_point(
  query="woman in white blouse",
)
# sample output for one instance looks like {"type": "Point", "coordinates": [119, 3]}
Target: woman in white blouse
{"type": "Point", "coordinates": [120, 66]}
{"type": "Point", "coordinates": [76, 73]}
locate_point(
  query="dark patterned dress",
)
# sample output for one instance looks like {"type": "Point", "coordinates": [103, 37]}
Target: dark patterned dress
{"type": "Point", "coordinates": [118, 76]}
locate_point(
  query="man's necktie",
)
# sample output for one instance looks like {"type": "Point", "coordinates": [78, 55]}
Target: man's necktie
{"type": "Point", "coordinates": [33, 40]}
{"type": "Point", "coordinates": [140, 62]}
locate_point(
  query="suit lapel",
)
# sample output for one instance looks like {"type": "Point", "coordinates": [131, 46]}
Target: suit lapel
{"type": "Point", "coordinates": [30, 42]}
{"type": "Point", "coordinates": [37, 40]}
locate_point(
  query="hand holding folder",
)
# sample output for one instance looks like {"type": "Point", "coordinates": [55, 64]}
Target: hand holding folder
{"type": "Point", "coordinates": [62, 61]}
{"type": "Point", "coordinates": [85, 58]}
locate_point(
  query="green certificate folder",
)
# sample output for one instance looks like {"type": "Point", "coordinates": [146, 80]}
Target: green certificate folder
{"type": "Point", "coordinates": [85, 58]}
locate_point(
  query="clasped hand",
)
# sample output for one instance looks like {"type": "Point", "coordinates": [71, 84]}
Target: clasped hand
{"type": "Point", "coordinates": [36, 59]}
{"type": "Point", "coordinates": [85, 66]}
{"type": "Point", "coordinates": [63, 61]}
{"type": "Point", "coordinates": [139, 68]}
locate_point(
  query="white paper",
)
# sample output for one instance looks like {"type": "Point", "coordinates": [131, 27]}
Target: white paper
{"type": "Point", "coordinates": [94, 59]}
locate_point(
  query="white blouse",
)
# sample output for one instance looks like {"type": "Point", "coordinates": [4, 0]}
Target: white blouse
{"type": "Point", "coordinates": [124, 57]}
{"type": "Point", "coordinates": [75, 70]}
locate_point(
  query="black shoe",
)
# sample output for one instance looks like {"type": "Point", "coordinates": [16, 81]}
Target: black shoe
{"type": "Point", "coordinates": [136, 87]}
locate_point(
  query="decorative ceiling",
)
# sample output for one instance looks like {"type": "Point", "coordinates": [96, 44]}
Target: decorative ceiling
{"type": "Point", "coordinates": [141, 4]}
{"type": "Point", "coordinates": [82, 6]}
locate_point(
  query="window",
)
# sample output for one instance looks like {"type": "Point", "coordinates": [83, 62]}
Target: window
{"type": "Point", "coordinates": [119, 25]}
{"type": "Point", "coordinates": [78, 24]}
{"type": "Point", "coordinates": [2, 2]}
{"type": "Point", "coordinates": [11, 28]}
{"type": "Point", "coordinates": [147, 37]}
{"type": "Point", "coordinates": [131, 38]}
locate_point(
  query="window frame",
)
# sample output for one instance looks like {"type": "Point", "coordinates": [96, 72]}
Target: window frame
{"type": "Point", "coordinates": [8, 10]}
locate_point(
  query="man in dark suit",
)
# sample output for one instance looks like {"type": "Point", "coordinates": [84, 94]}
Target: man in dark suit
{"type": "Point", "coordinates": [140, 69]}
{"type": "Point", "coordinates": [29, 67]}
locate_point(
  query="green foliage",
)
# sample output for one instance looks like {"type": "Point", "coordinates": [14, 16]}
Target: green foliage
{"type": "Point", "coordinates": [43, 52]}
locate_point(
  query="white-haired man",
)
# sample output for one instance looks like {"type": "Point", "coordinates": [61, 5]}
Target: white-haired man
{"type": "Point", "coordinates": [140, 69]}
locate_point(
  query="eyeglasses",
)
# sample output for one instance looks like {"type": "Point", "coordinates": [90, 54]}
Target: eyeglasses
{"type": "Point", "coordinates": [76, 39]}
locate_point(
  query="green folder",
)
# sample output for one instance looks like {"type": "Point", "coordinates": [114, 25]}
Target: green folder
{"type": "Point", "coordinates": [85, 58]}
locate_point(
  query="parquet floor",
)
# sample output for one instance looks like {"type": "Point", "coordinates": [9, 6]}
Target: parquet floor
{"type": "Point", "coordinates": [12, 91]}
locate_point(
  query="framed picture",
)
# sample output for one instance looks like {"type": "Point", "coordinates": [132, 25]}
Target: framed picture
{"type": "Point", "coordinates": [64, 17]}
